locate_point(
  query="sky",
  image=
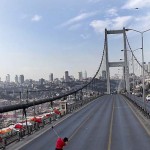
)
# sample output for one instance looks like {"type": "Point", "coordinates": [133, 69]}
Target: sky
{"type": "Point", "coordinates": [39, 37]}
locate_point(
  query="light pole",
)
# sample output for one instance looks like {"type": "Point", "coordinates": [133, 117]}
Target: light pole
{"type": "Point", "coordinates": [122, 79]}
{"type": "Point", "coordinates": [124, 72]}
{"type": "Point", "coordinates": [133, 66]}
{"type": "Point", "coordinates": [142, 32]}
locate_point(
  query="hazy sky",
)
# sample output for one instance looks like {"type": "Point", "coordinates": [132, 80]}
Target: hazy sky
{"type": "Point", "coordinates": [39, 37]}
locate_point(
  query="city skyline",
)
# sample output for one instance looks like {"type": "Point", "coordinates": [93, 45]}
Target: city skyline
{"type": "Point", "coordinates": [38, 37]}
{"type": "Point", "coordinates": [50, 77]}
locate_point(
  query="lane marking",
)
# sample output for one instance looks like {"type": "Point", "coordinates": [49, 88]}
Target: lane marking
{"type": "Point", "coordinates": [111, 125]}
{"type": "Point", "coordinates": [121, 107]}
{"type": "Point", "coordinates": [81, 125]}
{"type": "Point", "coordinates": [55, 124]}
{"type": "Point", "coordinates": [144, 126]}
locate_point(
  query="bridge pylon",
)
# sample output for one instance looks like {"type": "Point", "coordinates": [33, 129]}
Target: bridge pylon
{"type": "Point", "coordinates": [123, 64]}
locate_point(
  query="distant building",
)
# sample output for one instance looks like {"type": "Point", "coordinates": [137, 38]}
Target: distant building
{"type": "Point", "coordinates": [115, 76]}
{"type": "Point", "coordinates": [16, 79]}
{"type": "Point", "coordinates": [8, 78]}
{"type": "Point", "coordinates": [103, 74]}
{"type": "Point", "coordinates": [4, 102]}
{"type": "Point", "coordinates": [21, 79]}
{"type": "Point", "coordinates": [62, 79]}
{"type": "Point", "coordinates": [146, 68]}
{"type": "Point", "coordinates": [80, 76]}
{"type": "Point", "coordinates": [66, 76]}
{"type": "Point", "coordinates": [41, 81]}
{"type": "Point", "coordinates": [51, 79]}
{"type": "Point", "coordinates": [71, 78]}
{"type": "Point", "coordinates": [85, 75]}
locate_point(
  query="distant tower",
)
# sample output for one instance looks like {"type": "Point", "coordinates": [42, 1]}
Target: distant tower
{"type": "Point", "coordinates": [8, 78]}
{"type": "Point", "coordinates": [66, 76]}
{"type": "Point", "coordinates": [51, 79]}
{"type": "Point", "coordinates": [16, 79]}
{"type": "Point", "coordinates": [80, 76]}
{"type": "Point", "coordinates": [85, 75]}
{"type": "Point", "coordinates": [21, 79]}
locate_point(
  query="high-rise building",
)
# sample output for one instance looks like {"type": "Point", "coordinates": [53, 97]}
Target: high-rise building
{"type": "Point", "coordinates": [51, 79]}
{"type": "Point", "coordinates": [66, 76]}
{"type": "Point", "coordinates": [21, 79]}
{"type": "Point", "coordinates": [41, 81]}
{"type": "Point", "coordinates": [8, 78]}
{"type": "Point", "coordinates": [16, 79]}
{"type": "Point", "coordinates": [80, 76]}
{"type": "Point", "coordinates": [85, 75]}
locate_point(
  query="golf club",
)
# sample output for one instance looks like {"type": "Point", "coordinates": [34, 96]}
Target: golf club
{"type": "Point", "coordinates": [55, 131]}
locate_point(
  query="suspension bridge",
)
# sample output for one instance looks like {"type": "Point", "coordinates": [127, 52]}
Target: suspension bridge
{"type": "Point", "coordinates": [99, 114]}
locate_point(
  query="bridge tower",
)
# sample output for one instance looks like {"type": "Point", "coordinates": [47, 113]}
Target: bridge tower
{"type": "Point", "coordinates": [123, 64]}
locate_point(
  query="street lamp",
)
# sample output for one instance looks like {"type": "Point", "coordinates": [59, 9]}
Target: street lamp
{"type": "Point", "coordinates": [123, 76]}
{"type": "Point", "coordinates": [132, 65]}
{"type": "Point", "coordinates": [123, 69]}
{"type": "Point", "coordinates": [142, 32]}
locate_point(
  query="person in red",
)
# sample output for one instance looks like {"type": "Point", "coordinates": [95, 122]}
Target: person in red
{"type": "Point", "coordinates": [60, 143]}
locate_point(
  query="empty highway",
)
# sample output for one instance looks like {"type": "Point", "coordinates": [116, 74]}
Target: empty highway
{"type": "Point", "coordinates": [107, 123]}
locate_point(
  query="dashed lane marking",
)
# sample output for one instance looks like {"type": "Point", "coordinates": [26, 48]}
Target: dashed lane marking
{"type": "Point", "coordinates": [111, 125]}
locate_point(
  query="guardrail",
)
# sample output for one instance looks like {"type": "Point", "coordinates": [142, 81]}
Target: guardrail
{"type": "Point", "coordinates": [28, 130]}
{"type": "Point", "coordinates": [138, 102]}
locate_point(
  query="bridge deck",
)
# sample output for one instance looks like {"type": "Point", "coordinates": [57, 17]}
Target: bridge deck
{"type": "Point", "coordinates": [107, 123]}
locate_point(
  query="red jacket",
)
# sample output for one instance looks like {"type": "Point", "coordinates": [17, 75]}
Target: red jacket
{"type": "Point", "coordinates": [60, 143]}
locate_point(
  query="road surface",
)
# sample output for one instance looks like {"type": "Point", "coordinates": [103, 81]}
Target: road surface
{"type": "Point", "coordinates": [107, 123]}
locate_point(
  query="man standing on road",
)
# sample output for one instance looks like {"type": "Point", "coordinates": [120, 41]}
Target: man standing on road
{"type": "Point", "coordinates": [60, 143]}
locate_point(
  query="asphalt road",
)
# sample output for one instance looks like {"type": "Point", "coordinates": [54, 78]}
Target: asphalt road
{"type": "Point", "coordinates": [108, 123]}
